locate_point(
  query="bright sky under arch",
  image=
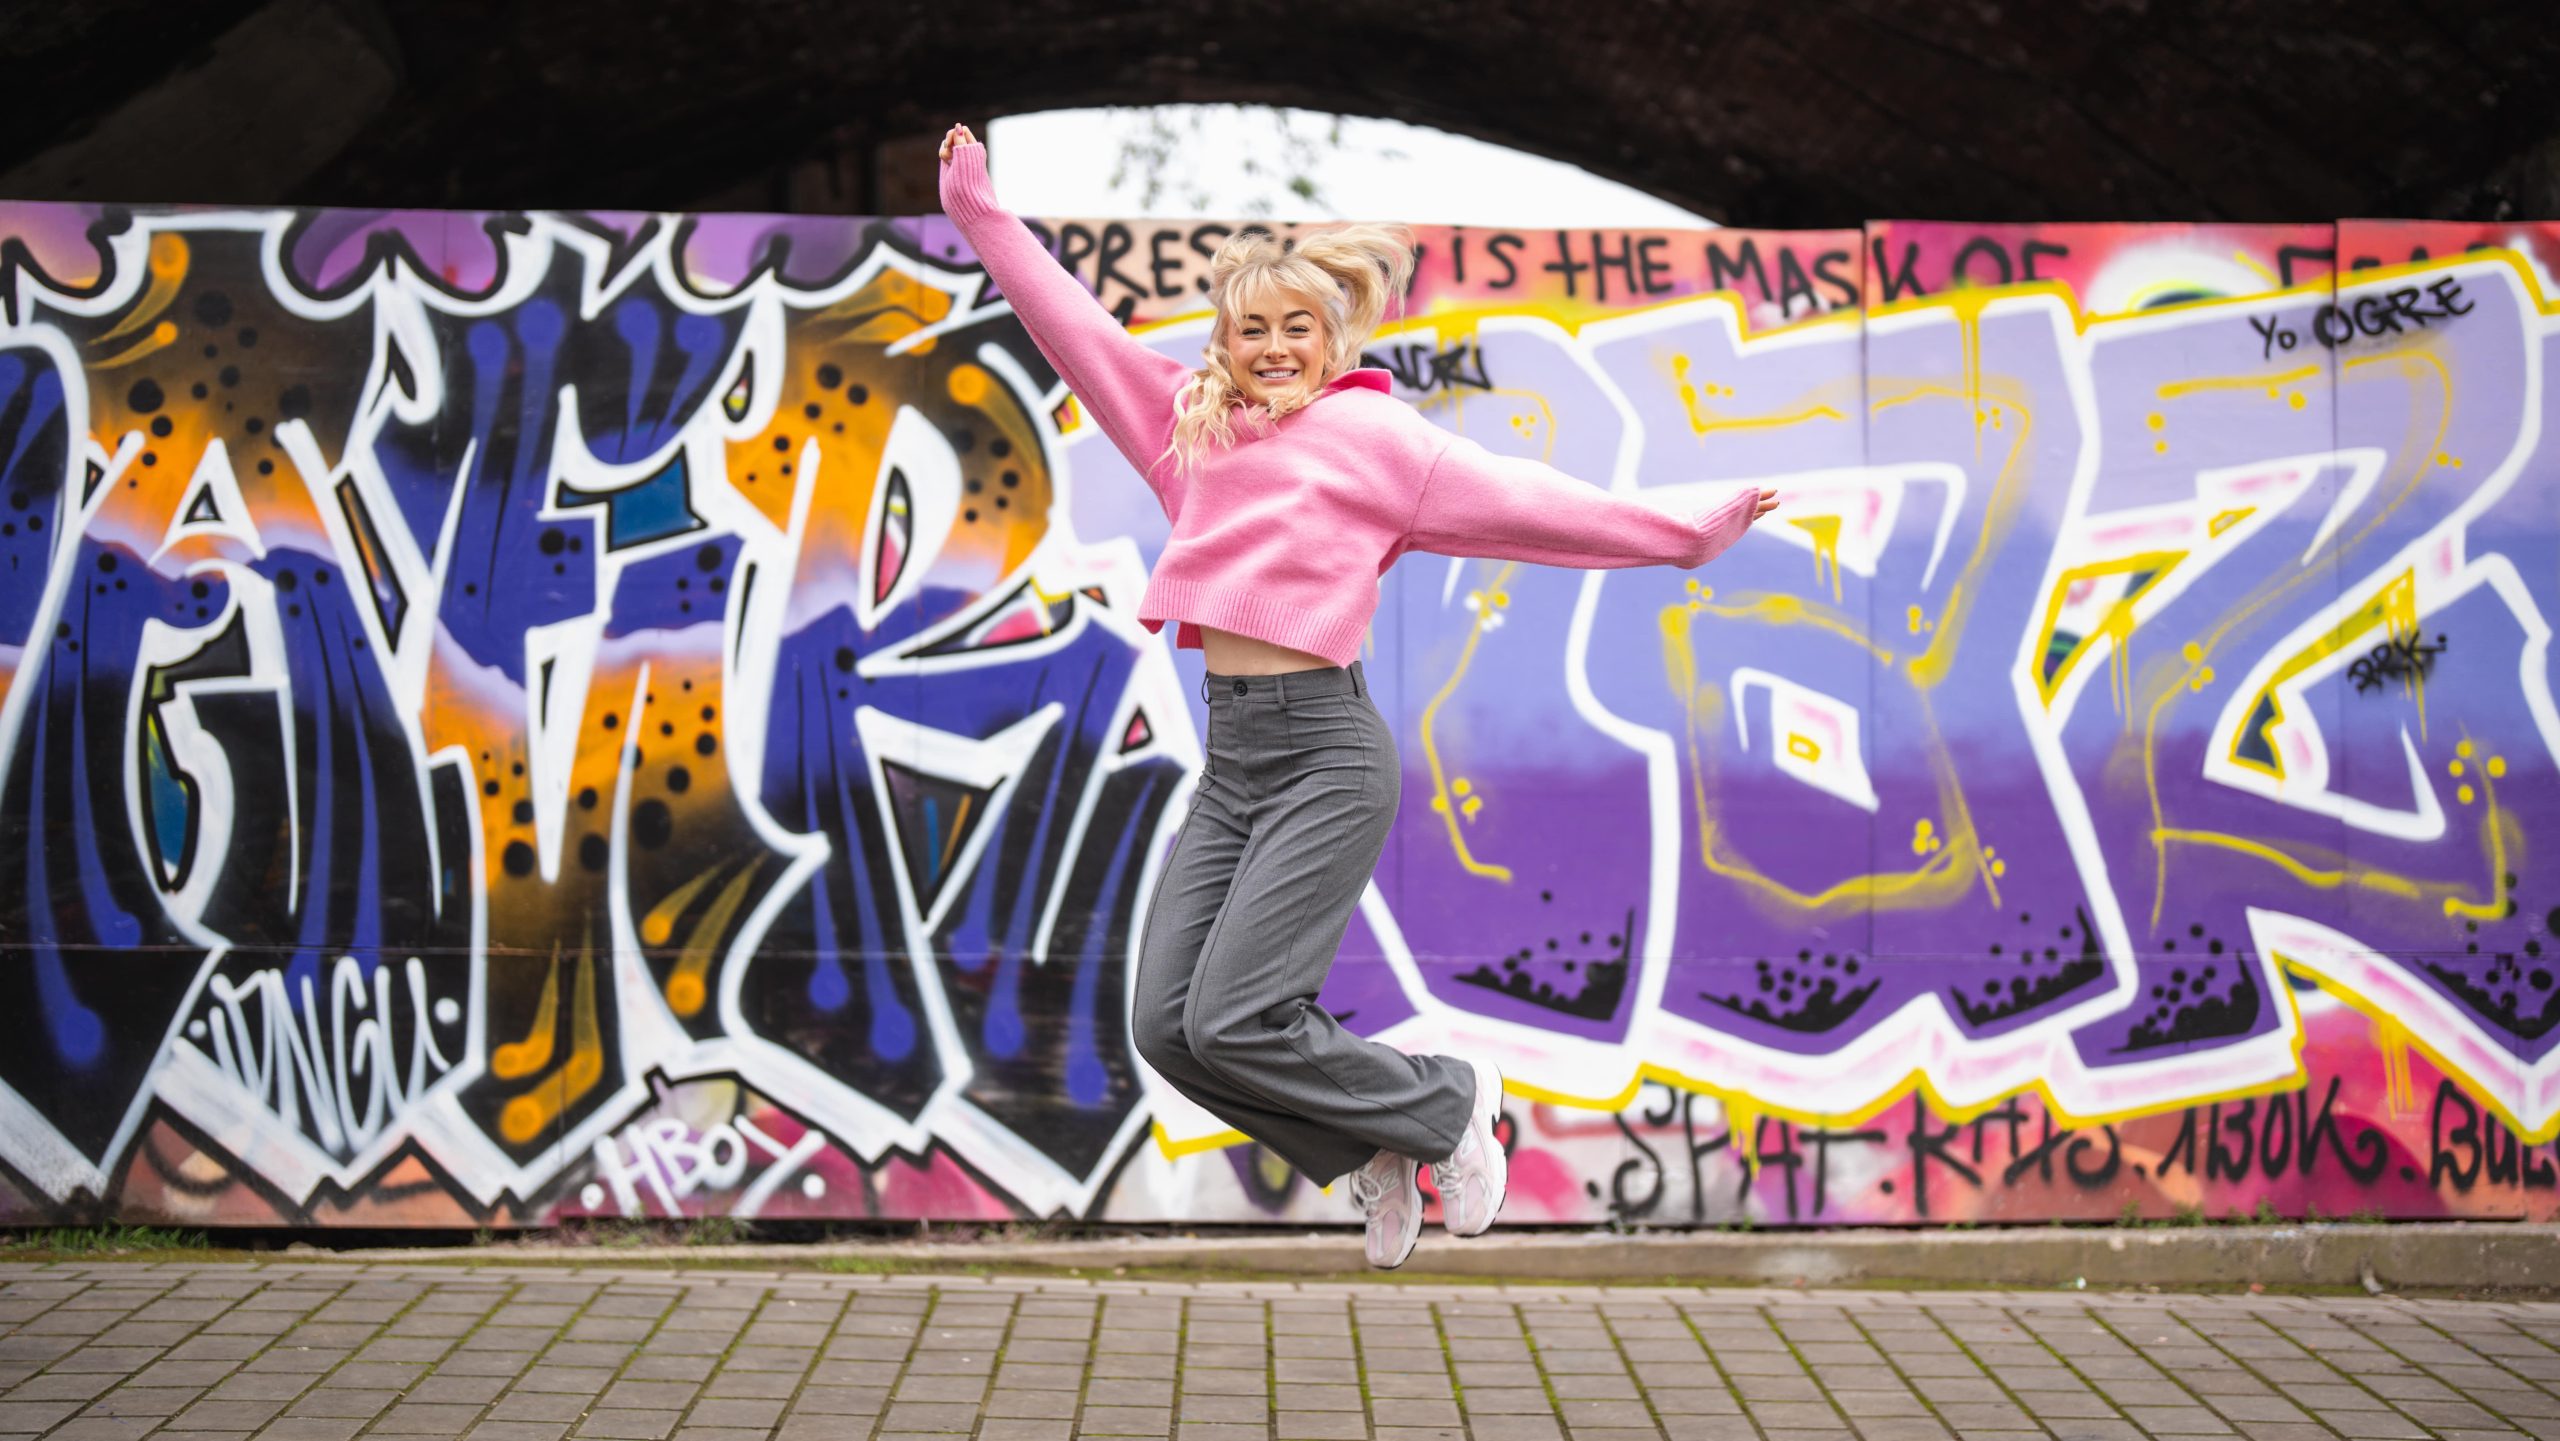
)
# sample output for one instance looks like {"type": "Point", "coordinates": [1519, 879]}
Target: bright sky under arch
{"type": "Point", "coordinates": [1061, 162]}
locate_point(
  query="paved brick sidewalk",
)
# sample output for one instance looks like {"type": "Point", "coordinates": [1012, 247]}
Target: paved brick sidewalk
{"type": "Point", "coordinates": [328, 1352]}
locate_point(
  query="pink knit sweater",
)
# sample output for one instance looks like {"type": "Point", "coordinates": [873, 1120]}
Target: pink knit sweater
{"type": "Point", "coordinates": [1282, 537]}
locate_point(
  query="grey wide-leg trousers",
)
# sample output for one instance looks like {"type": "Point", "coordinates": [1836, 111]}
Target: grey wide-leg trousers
{"type": "Point", "coordinates": [1291, 814]}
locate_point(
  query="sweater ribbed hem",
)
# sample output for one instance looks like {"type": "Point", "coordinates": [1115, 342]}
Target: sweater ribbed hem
{"type": "Point", "coordinates": [1330, 634]}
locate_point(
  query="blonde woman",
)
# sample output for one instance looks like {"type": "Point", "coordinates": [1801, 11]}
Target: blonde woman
{"type": "Point", "coordinates": [1293, 479]}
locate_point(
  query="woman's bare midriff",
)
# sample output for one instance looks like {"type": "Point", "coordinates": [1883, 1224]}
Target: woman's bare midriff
{"type": "Point", "coordinates": [1232, 654]}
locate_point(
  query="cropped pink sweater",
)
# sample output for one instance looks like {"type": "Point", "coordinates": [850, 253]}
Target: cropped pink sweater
{"type": "Point", "coordinates": [1282, 536]}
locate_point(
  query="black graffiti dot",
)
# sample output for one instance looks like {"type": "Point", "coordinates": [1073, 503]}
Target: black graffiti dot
{"type": "Point", "coordinates": [858, 393]}
{"type": "Point", "coordinates": [707, 712]}
{"type": "Point", "coordinates": [107, 563]}
{"type": "Point", "coordinates": [811, 410]}
{"type": "Point", "coordinates": [782, 443]}
{"type": "Point", "coordinates": [524, 813]}
{"type": "Point", "coordinates": [683, 584]}
{"type": "Point", "coordinates": [145, 396]}
{"type": "Point", "coordinates": [34, 523]}
{"type": "Point", "coordinates": [266, 467]}
{"type": "Point", "coordinates": [149, 457]}
{"type": "Point", "coordinates": [666, 728]}
{"type": "Point", "coordinates": [652, 824]}
{"type": "Point", "coordinates": [707, 558]}
{"type": "Point", "coordinates": [214, 308]}
{"type": "Point", "coordinates": [488, 788]}
{"type": "Point", "coordinates": [211, 351]}
{"type": "Point", "coordinates": [844, 657]}
{"type": "Point", "coordinates": [976, 485]}
{"type": "Point", "coordinates": [611, 720]}
{"type": "Point", "coordinates": [593, 853]}
{"type": "Point", "coordinates": [18, 501]}
{"type": "Point", "coordinates": [1000, 448]}
{"type": "Point", "coordinates": [229, 377]}
{"type": "Point", "coordinates": [519, 859]}
{"type": "Point", "coordinates": [577, 546]}
{"type": "Point", "coordinates": [248, 337]}
{"type": "Point", "coordinates": [718, 585]}
{"type": "Point", "coordinates": [471, 587]}
{"type": "Point", "coordinates": [679, 780]}
{"type": "Point", "coordinates": [553, 542]}
{"type": "Point", "coordinates": [160, 425]}
{"type": "Point", "coordinates": [1003, 504]}
{"type": "Point", "coordinates": [705, 743]}
{"type": "Point", "coordinates": [295, 403]}
{"type": "Point", "coordinates": [963, 439]}
{"type": "Point", "coordinates": [1012, 478]}
{"type": "Point", "coordinates": [320, 576]}
{"type": "Point", "coordinates": [970, 515]}
{"type": "Point", "coordinates": [286, 581]}
{"type": "Point", "coordinates": [253, 425]}
{"type": "Point", "coordinates": [198, 390]}
{"type": "Point", "coordinates": [199, 590]}
{"type": "Point", "coordinates": [830, 376]}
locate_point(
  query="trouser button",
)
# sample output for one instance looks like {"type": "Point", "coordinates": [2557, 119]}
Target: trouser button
{"type": "Point", "coordinates": [1240, 688]}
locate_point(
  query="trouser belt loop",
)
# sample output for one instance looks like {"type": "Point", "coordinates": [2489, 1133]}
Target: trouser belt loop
{"type": "Point", "coordinates": [1359, 682]}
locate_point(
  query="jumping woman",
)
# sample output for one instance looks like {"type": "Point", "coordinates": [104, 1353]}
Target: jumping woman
{"type": "Point", "coordinates": [1292, 480]}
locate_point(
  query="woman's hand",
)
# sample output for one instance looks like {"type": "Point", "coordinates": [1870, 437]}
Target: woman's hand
{"type": "Point", "coordinates": [1768, 503]}
{"type": "Point", "coordinates": [957, 136]}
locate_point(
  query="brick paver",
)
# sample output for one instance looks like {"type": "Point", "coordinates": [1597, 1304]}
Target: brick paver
{"type": "Point", "coordinates": [334, 1352]}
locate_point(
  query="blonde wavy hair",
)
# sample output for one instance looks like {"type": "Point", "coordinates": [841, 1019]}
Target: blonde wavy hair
{"type": "Point", "coordinates": [1350, 271]}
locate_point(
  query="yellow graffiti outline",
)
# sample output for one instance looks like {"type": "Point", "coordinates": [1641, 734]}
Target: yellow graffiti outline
{"type": "Point", "coordinates": [2117, 625]}
{"type": "Point", "coordinates": [1488, 600]}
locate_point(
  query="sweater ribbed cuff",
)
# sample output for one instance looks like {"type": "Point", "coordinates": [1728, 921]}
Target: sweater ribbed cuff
{"type": "Point", "coordinates": [967, 192]}
{"type": "Point", "coordinates": [1719, 528]}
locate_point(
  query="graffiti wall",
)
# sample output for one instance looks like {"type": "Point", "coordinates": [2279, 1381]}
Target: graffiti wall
{"type": "Point", "coordinates": [506, 718]}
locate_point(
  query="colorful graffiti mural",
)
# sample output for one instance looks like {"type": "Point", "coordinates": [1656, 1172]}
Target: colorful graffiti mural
{"type": "Point", "coordinates": [506, 718]}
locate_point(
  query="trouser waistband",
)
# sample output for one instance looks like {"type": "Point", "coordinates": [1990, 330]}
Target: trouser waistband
{"type": "Point", "coordinates": [1282, 689]}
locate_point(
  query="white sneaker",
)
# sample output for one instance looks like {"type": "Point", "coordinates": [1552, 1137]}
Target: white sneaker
{"type": "Point", "coordinates": [1475, 1178]}
{"type": "Point", "coordinates": [1390, 1196]}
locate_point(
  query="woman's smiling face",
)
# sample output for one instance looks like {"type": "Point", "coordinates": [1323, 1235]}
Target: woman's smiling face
{"type": "Point", "coordinates": [1277, 347]}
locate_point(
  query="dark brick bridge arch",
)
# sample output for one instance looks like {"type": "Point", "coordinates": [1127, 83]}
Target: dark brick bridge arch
{"type": "Point", "coordinates": [1764, 113]}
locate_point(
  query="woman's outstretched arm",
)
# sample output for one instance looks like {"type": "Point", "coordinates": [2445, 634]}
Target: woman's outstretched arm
{"type": "Point", "coordinates": [1127, 388]}
{"type": "Point", "coordinates": [1477, 503]}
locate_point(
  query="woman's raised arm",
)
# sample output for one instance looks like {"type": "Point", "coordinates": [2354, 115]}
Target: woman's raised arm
{"type": "Point", "coordinates": [1126, 387]}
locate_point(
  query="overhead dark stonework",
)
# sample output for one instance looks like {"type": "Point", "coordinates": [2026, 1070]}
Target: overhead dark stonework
{"type": "Point", "coordinates": [1766, 114]}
